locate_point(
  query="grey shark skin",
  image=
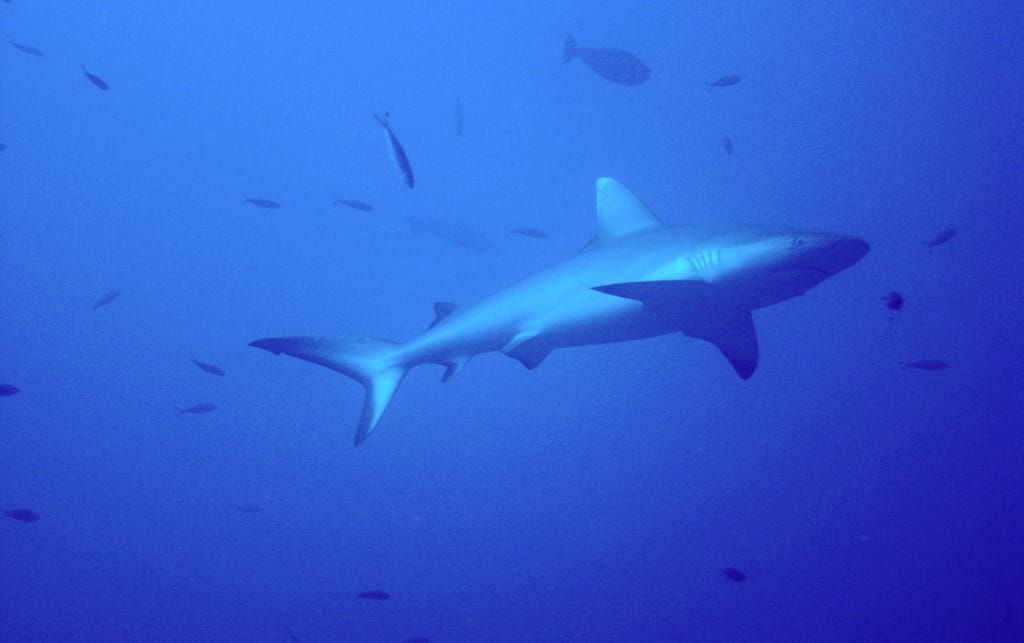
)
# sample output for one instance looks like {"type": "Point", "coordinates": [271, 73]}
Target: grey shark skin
{"type": "Point", "coordinates": [637, 278]}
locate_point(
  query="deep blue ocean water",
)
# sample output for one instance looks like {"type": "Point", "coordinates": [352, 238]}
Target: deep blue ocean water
{"type": "Point", "coordinates": [596, 498]}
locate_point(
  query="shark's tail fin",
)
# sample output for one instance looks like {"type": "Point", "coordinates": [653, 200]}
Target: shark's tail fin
{"type": "Point", "coordinates": [570, 49]}
{"type": "Point", "coordinates": [371, 362]}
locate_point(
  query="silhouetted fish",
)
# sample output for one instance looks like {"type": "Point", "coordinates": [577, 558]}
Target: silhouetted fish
{"type": "Point", "coordinates": [209, 368]}
{"type": "Point", "coordinates": [458, 117]}
{"type": "Point", "coordinates": [356, 205]}
{"type": "Point", "coordinates": [532, 233]}
{"type": "Point", "coordinates": [3, 147]}
{"type": "Point", "coordinates": [615, 65]}
{"type": "Point", "coordinates": [734, 574]}
{"type": "Point", "coordinates": [291, 635]}
{"type": "Point", "coordinates": [893, 301]}
{"type": "Point", "coordinates": [205, 407]}
{"type": "Point", "coordinates": [24, 515]}
{"type": "Point", "coordinates": [454, 233]}
{"type": "Point", "coordinates": [106, 299]}
{"type": "Point", "coordinates": [374, 595]}
{"type": "Point", "coordinates": [262, 203]}
{"type": "Point", "coordinates": [941, 238]}
{"type": "Point", "coordinates": [926, 365]}
{"type": "Point", "coordinates": [725, 81]}
{"type": "Point", "coordinates": [7, 389]}
{"type": "Point", "coordinates": [396, 151]}
{"type": "Point", "coordinates": [26, 49]}
{"type": "Point", "coordinates": [95, 80]}
{"type": "Point", "coordinates": [727, 144]}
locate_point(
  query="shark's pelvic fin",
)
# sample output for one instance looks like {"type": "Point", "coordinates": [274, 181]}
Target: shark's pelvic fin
{"type": "Point", "coordinates": [369, 361]}
{"type": "Point", "coordinates": [619, 213]}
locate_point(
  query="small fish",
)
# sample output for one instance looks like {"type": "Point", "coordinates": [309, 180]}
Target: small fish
{"type": "Point", "coordinates": [926, 365]}
{"type": "Point", "coordinates": [893, 301]}
{"type": "Point", "coordinates": [458, 117]}
{"type": "Point", "coordinates": [26, 49]}
{"type": "Point", "coordinates": [374, 595]}
{"type": "Point", "coordinates": [3, 147]}
{"type": "Point", "coordinates": [355, 205]}
{"type": "Point", "coordinates": [724, 81]}
{"type": "Point", "coordinates": [24, 515]}
{"type": "Point", "coordinates": [249, 508]}
{"type": "Point", "coordinates": [106, 299]}
{"type": "Point", "coordinates": [532, 233]}
{"type": "Point", "coordinates": [262, 203]}
{"type": "Point", "coordinates": [7, 390]}
{"type": "Point", "coordinates": [209, 368]}
{"type": "Point", "coordinates": [941, 238]}
{"type": "Point", "coordinates": [95, 80]}
{"type": "Point", "coordinates": [397, 152]}
{"type": "Point", "coordinates": [616, 65]}
{"type": "Point", "coordinates": [291, 635]}
{"type": "Point", "coordinates": [734, 574]}
{"type": "Point", "coordinates": [727, 144]}
{"type": "Point", "coordinates": [205, 407]}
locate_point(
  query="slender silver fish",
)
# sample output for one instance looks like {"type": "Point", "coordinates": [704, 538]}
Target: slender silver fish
{"type": "Point", "coordinates": [398, 156]}
{"type": "Point", "coordinates": [25, 49]}
{"type": "Point", "coordinates": [95, 80]}
{"type": "Point", "coordinates": [106, 299]}
{"type": "Point", "coordinates": [205, 366]}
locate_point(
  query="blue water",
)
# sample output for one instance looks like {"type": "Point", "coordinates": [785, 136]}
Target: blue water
{"type": "Point", "coordinates": [596, 498]}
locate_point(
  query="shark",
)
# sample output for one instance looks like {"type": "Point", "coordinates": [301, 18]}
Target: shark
{"type": "Point", "coordinates": [637, 278]}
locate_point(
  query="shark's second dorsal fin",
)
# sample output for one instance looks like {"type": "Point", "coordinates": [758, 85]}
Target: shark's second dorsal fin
{"type": "Point", "coordinates": [442, 309]}
{"type": "Point", "coordinates": [619, 213]}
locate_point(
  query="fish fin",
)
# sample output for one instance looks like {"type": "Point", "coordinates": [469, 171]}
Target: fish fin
{"type": "Point", "coordinates": [654, 293]}
{"type": "Point", "coordinates": [569, 51]}
{"type": "Point", "coordinates": [454, 367]}
{"type": "Point", "coordinates": [442, 309]}
{"type": "Point", "coordinates": [529, 354]}
{"type": "Point", "coordinates": [369, 361]}
{"type": "Point", "coordinates": [619, 213]}
{"type": "Point", "coordinates": [733, 335]}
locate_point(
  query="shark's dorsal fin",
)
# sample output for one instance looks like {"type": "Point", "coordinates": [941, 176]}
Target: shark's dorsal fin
{"type": "Point", "coordinates": [442, 309]}
{"type": "Point", "coordinates": [619, 213]}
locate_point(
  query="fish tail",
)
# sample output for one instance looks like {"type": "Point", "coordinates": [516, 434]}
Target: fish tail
{"type": "Point", "coordinates": [570, 49]}
{"type": "Point", "coordinates": [374, 363]}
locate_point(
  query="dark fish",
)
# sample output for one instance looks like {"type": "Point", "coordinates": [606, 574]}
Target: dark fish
{"type": "Point", "coordinates": [95, 80]}
{"type": "Point", "coordinates": [3, 147]}
{"type": "Point", "coordinates": [106, 299]}
{"type": "Point", "coordinates": [734, 574]}
{"type": "Point", "coordinates": [893, 301]}
{"type": "Point", "coordinates": [615, 65]}
{"type": "Point", "coordinates": [26, 49]}
{"type": "Point", "coordinates": [209, 368]}
{"type": "Point", "coordinates": [24, 515]}
{"type": "Point", "coordinates": [727, 144]}
{"type": "Point", "coordinates": [941, 238]}
{"type": "Point", "coordinates": [458, 117]}
{"type": "Point", "coordinates": [7, 389]}
{"type": "Point", "coordinates": [532, 233]}
{"type": "Point", "coordinates": [397, 152]}
{"type": "Point", "coordinates": [249, 508]}
{"type": "Point", "coordinates": [291, 635]}
{"type": "Point", "coordinates": [374, 595]}
{"type": "Point", "coordinates": [926, 365]}
{"type": "Point", "coordinates": [454, 233]}
{"type": "Point", "coordinates": [356, 205]}
{"type": "Point", "coordinates": [262, 203]}
{"type": "Point", "coordinates": [725, 81]}
{"type": "Point", "coordinates": [205, 407]}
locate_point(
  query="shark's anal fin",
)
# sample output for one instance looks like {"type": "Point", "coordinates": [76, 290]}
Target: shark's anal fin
{"type": "Point", "coordinates": [734, 336]}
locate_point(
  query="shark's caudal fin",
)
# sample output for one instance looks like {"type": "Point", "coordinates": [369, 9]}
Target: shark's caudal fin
{"type": "Point", "coordinates": [369, 361]}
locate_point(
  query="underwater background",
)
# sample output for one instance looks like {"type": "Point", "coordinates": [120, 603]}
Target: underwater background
{"type": "Point", "coordinates": [625, 492]}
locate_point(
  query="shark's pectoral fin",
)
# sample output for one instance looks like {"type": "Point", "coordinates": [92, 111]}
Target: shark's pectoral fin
{"type": "Point", "coordinates": [655, 293]}
{"type": "Point", "coordinates": [733, 335]}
